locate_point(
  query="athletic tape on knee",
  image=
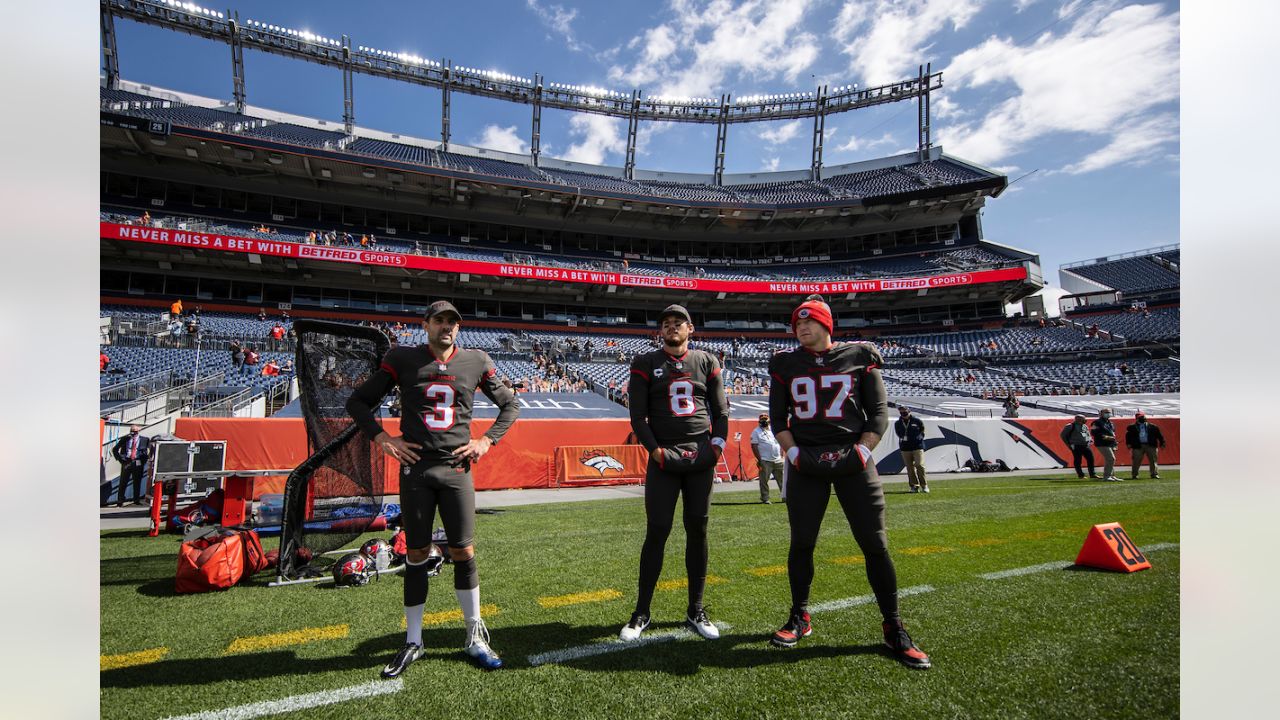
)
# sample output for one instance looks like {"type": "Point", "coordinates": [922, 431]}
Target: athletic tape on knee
{"type": "Point", "coordinates": [466, 574]}
{"type": "Point", "coordinates": [415, 583]}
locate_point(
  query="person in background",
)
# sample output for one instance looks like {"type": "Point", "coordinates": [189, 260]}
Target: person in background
{"type": "Point", "coordinates": [103, 362]}
{"type": "Point", "coordinates": [1011, 405]}
{"type": "Point", "coordinates": [910, 432]}
{"type": "Point", "coordinates": [1144, 440]}
{"type": "Point", "coordinates": [1104, 438]}
{"type": "Point", "coordinates": [131, 451]}
{"type": "Point", "coordinates": [768, 458]}
{"type": "Point", "coordinates": [1076, 436]}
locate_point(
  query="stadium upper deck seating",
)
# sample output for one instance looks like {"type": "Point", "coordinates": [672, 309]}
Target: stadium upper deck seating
{"type": "Point", "coordinates": [852, 186]}
{"type": "Point", "coordinates": [1162, 324]}
{"type": "Point", "coordinates": [1131, 275]}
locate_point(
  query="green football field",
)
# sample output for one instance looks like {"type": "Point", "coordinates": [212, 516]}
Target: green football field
{"type": "Point", "coordinates": [558, 581]}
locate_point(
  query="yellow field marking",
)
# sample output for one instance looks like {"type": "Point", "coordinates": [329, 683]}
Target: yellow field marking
{"type": "Point", "coordinates": [446, 616]}
{"type": "Point", "coordinates": [1034, 535]}
{"type": "Point", "coordinates": [768, 570]}
{"type": "Point", "coordinates": [926, 550]}
{"type": "Point", "coordinates": [292, 637]}
{"type": "Point", "coordinates": [848, 560]}
{"type": "Point", "coordinates": [124, 660]}
{"type": "Point", "coordinates": [680, 583]}
{"type": "Point", "coordinates": [555, 601]}
{"type": "Point", "coordinates": [984, 542]}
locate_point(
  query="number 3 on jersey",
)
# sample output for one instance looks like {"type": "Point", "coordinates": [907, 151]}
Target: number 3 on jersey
{"type": "Point", "coordinates": [681, 396]}
{"type": "Point", "coordinates": [804, 396]}
{"type": "Point", "coordinates": [441, 415]}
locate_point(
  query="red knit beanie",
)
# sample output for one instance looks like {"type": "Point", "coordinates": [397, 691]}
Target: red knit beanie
{"type": "Point", "coordinates": [815, 310]}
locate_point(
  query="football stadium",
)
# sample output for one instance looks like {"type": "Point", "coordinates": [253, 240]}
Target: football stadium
{"type": "Point", "coordinates": [279, 293]}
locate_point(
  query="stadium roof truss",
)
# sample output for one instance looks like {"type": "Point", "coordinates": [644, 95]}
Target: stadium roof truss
{"type": "Point", "coordinates": [449, 78]}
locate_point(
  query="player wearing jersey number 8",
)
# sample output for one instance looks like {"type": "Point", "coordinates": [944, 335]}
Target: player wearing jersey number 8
{"type": "Point", "coordinates": [680, 414]}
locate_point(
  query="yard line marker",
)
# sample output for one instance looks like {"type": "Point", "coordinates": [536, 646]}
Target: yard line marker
{"type": "Point", "coordinates": [1042, 567]}
{"type": "Point", "coordinates": [848, 560]}
{"type": "Point", "coordinates": [1159, 546]}
{"type": "Point", "coordinates": [445, 616]}
{"type": "Point", "coordinates": [926, 550]}
{"type": "Point", "coordinates": [984, 542]}
{"type": "Point", "coordinates": [612, 646]}
{"type": "Point", "coordinates": [292, 637]}
{"type": "Point", "coordinates": [298, 702]}
{"type": "Point", "coordinates": [555, 601]}
{"type": "Point", "coordinates": [768, 570]}
{"type": "Point", "coordinates": [866, 599]}
{"type": "Point", "coordinates": [130, 659]}
{"type": "Point", "coordinates": [681, 583]}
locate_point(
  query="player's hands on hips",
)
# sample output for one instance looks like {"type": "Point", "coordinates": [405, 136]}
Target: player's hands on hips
{"type": "Point", "coordinates": [475, 449]}
{"type": "Point", "coordinates": [793, 453]}
{"type": "Point", "coordinates": [864, 453]}
{"type": "Point", "coordinates": [398, 448]}
{"type": "Point", "coordinates": [655, 456]}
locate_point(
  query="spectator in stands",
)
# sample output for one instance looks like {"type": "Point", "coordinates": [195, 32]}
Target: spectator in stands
{"type": "Point", "coordinates": [910, 432]}
{"type": "Point", "coordinates": [270, 369]}
{"type": "Point", "coordinates": [175, 332]}
{"type": "Point", "coordinates": [1104, 438]}
{"type": "Point", "coordinates": [175, 308]}
{"type": "Point", "coordinates": [251, 357]}
{"type": "Point", "coordinates": [262, 314]}
{"type": "Point", "coordinates": [277, 335]}
{"type": "Point", "coordinates": [1076, 436]}
{"type": "Point", "coordinates": [237, 356]}
{"type": "Point", "coordinates": [1114, 371]}
{"type": "Point", "coordinates": [146, 219]}
{"type": "Point", "coordinates": [103, 362]}
{"type": "Point", "coordinates": [131, 451]}
{"type": "Point", "coordinates": [1144, 440]}
{"type": "Point", "coordinates": [1011, 404]}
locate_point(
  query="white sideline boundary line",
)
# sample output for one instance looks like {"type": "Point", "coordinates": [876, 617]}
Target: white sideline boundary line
{"type": "Point", "coordinates": [866, 599]}
{"type": "Point", "coordinates": [615, 645]}
{"type": "Point", "coordinates": [1061, 564]}
{"type": "Point", "coordinates": [298, 702]}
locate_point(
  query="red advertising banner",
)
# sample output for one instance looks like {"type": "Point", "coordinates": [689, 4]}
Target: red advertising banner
{"type": "Point", "coordinates": [280, 248]}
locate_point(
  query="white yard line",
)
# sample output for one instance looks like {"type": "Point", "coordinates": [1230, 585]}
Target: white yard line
{"type": "Point", "coordinates": [612, 646]}
{"type": "Point", "coordinates": [299, 702]}
{"type": "Point", "coordinates": [1060, 564]}
{"type": "Point", "coordinates": [865, 599]}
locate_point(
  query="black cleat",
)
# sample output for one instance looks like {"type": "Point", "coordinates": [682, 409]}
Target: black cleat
{"type": "Point", "coordinates": [402, 660]}
{"type": "Point", "coordinates": [902, 648]}
{"type": "Point", "coordinates": [798, 626]}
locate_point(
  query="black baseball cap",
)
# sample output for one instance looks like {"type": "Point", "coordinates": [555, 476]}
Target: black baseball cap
{"type": "Point", "coordinates": [440, 307]}
{"type": "Point", "coordinates": [678, 311]}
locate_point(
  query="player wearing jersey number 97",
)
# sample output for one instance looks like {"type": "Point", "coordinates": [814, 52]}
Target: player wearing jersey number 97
{"type": "Point", "coordinates": [438, 383]}
{"type": "Point", "coordinates": [680, 414]}
{"type": "Point", "coordinates": [828, 409]}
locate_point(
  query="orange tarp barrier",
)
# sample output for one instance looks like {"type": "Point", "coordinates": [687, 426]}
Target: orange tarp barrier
{"type": "Point", "coordinates": [600, 464]}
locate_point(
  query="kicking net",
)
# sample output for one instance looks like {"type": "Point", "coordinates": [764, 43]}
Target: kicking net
{"type": "Point", "coordinates": [337, 493]}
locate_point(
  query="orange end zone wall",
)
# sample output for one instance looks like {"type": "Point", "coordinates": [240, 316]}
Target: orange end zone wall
{"type": "Point", "coordinates": [526, 456]}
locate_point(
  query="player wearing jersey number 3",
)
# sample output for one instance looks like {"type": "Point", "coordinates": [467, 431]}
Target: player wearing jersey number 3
{"type": "Point", "coordinates": [438, 383]}
{"type": "Point", "coordinates": [680, 415]}
{"type": "Point", "coordinates": [828, 408]}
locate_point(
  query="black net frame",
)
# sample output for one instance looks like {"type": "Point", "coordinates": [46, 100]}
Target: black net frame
{"type": "Point", "coordinates": [336, 494]}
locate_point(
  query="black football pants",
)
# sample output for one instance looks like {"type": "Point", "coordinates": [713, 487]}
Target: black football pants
{"type": "Point", "coordinates": [661, 490]}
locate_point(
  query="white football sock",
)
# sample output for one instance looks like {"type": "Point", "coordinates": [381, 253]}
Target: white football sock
{"type": "Point", "coordinates": [469, 601]}
{"type": "Point", "coordinates": [413, 623]}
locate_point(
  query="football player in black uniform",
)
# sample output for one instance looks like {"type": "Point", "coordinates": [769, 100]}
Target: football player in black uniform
{"type": "Point", "coordinates": [680, 414]}
{"type": "Point", "coordinates": [437, 383]}
{"type": "Point", "coordinates": [828, 407]}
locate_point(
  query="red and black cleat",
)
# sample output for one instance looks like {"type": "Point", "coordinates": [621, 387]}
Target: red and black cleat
{"type": "Point", "coordinates": [798, 626]}
{"type": "Point", "coordinates": [902, 648]}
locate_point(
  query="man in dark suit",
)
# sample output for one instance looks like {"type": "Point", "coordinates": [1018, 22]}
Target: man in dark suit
{"type": "Point", "coordinates": [1144, 439]}
{"type": "Point", "coordinates": [132, 451]}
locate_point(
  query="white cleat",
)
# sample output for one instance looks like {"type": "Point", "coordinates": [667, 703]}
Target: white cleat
{"type": "Point", "coordinates": [632, 629]}
{"type": "Point", "coordinates": [701, 624]}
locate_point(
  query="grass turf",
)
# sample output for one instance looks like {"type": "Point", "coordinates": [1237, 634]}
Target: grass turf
{"type": "Point", "coordinates": [1061, 643]}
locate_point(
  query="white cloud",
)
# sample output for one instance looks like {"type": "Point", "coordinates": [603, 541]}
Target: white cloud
{"type": "Point", "coordinates": [885, 41]}
{"type": "Point", "coordinates": [1020, 5]}
{"type": "Point", "coordinates": [560, 21]}
{"type": "Point", "coordinates": [771, 164]}
{"type": "Point", "coordinates": [779, 134]}
{"type": "Point", "coordinates": [505, 139]}
{"type": "Point", "coordinates": [855, 143]}
{"type": "Point", "coordinates": [1136, 143]}
{"type": "Point", "coordinates": [596, 137]}
{"type": "Point", "coordinates": [695, 52]}
{"type": "Point", "coordinates": [1103, 76]}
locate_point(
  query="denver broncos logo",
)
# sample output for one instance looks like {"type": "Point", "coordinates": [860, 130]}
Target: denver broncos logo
{"type": "Point", "coordinates": [600, 461]}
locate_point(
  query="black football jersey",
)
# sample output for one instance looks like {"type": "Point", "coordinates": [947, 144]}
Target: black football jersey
{"type": "Point", "coordinates": [828, 398]}
{"type": "Point", "coordinates": [435, 397]}
{"type": "Point", "coordinates": [676, 399]}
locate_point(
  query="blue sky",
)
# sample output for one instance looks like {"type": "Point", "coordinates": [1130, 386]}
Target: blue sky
{"type": "Point", "coordinates": [1083, 93]}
